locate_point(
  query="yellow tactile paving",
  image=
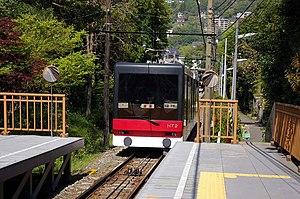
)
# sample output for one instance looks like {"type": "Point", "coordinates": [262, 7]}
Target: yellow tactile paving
{"type": "Point", "coordinates": [212, 184]}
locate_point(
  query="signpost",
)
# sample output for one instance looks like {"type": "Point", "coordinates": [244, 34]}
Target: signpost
{"type": "Point", "coordinates": [51, 75]}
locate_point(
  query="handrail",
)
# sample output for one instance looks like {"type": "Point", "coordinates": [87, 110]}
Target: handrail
{"type": "Point", "coordinates": [287, 128]}
{"type": "Point", "coordinates": [223, 122]}
{"type": "Point", "coordinates": [31, 112]}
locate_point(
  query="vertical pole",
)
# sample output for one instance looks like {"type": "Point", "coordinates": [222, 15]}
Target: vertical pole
{"type": "Point", "coordinates": [5, 114]}
{"type": "Point", "coordinates": [221, 77]}
{"type": "Point", "coordinates": [208, 66]}
{"type": "Point", "coordinates": [235, 141]}
{"type": "Point", "coordinates": [51, 114]}
{"type": "Point", "coordinates": [225, 69]}
{"type": "Point", "coordinates": [198, 137]}
{"type": "Point", "coordinates": [106, 72]}
{"type": "Point", "coordinates": [64, 133]}
{"type": "Point", "coordinates": [233, 92]}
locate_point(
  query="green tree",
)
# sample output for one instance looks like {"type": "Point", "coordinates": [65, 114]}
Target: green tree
{"type": "Point", "coordinates": [18, 70]}
{"type": "Point", "coordinates": [47, 38]}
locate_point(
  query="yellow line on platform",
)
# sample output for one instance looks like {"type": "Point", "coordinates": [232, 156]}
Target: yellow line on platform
{"type": "Point", "coordinates": [212, 184]}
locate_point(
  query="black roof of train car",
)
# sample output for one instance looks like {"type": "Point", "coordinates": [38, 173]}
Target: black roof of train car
{"type": "Point", "coordinates": [150, 68]}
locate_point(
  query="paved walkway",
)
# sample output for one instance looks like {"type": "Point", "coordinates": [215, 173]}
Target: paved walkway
{"type": "Point", "coordinates": [255, 129]}
{"type": "Point", "coordinates": [256, 137]}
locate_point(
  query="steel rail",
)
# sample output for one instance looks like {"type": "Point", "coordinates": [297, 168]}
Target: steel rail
{"type": "Point", "coordinates": [135, 178]}
{"type": "Point", "coordinates": [146, 177]}
{"type": "Point", "coordinates": [89, 191]}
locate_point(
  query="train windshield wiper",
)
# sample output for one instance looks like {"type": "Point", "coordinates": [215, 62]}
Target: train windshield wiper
{"type": "Point", "coordinates": [147, 119]}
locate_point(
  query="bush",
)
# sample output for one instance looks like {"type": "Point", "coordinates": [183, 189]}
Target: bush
{"type": "Point", "coordinates": [80, 126]}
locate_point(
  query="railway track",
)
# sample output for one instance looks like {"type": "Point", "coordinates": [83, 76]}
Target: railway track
{"type": "Point", "coordinates": [126, 179]}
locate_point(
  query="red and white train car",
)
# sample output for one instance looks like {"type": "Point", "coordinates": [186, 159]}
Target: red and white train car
{"type": "Point", "coordinates": [154, 104]}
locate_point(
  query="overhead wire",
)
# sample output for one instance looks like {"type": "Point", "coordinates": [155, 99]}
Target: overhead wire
{"type": "Point", "coordinates": [201, 24]}
{"type": "Point", "coordinates": [135, 21]}
{"type": "Point", "coordinates": [252, 14]}
{"type": "Point", "coordinates": [258, 8]}
{"type": "Point", "coordinates": [220, 5]}
{"type": "Point", "coordinates": [237, 18]}
{"type": "Point", "coordinates": [248, 18]}
{"type": "Point", "coordinates": [223, 11]}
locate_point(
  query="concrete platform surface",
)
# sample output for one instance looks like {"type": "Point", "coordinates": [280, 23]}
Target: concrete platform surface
{"type": "Point", "coordinates": [209, 170]}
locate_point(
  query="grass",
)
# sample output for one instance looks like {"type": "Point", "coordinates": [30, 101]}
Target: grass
{"type": "Point", "coordinates": [79, 165]}
{"type": "Point", "coordinates": [80, 126]}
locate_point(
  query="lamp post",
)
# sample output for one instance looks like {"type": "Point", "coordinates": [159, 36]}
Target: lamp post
{"type": "Point", "coordinates": [225, 69]}
{"type": "Point", "coordinates": [233, 93]}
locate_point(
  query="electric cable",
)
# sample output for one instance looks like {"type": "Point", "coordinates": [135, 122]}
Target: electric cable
{"type": "Point", "coordinates": [227, 8]}
{"type": "Point", "coordinates": [220, 5]}
{"type": "Point", "coordinates": [201, 24]}
{"type": "Point", "coordinates": [237, 18]}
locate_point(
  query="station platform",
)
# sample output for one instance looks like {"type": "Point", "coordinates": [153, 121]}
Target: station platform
{"type": "Point", "coordinates": [212, 171]}
{"type": "Point", "coordinates": [20, 154]}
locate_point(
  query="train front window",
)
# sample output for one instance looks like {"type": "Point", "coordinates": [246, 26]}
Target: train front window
{"type": "Point", "coordinates": [148, 96]}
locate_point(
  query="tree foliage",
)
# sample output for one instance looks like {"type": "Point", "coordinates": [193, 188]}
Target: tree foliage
{"type": "Point", "coordinates": [18, 71]}
{"type": "Point", "coordinates": [47, 38]}
{"type": "Point", "coordinates": [272, 53]}
{"type": "Point", "coordinates": [277, 44]}
{"type": "Point", "coordinates": [10, 43]}
{"type": "Point", "coordinates": [74, 70]}
{"type": "Point", "coordinates": [55, 32]}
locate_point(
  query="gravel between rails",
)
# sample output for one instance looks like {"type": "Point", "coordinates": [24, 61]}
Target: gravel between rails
{"type": "Point", "coordinates": [103, 165]}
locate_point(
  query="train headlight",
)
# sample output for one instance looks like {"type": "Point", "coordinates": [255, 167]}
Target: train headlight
{"type": "Point", "coordinates": [123, 132]}
{"type": "Point", "coordinates": [171, 134]}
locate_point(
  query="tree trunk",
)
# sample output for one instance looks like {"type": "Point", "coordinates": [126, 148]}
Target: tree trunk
{"type": "Point", "coordinates": [90, 45]}
{"type": "Point", "coordinates": [106, 74]}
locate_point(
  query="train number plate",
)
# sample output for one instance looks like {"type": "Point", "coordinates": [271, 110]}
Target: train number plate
{"type": "Point", "coordinates": [122, 105]}
{"type": "Point", "coordinates": [170, 105]}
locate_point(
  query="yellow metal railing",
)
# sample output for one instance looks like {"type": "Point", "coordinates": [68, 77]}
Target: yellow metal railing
{"type": "Point", "coordinates": [32, 112]}
{"type": "Point", "coordinates": [287, 128]}
{"type": "Point", "coordinates": [223, 119]}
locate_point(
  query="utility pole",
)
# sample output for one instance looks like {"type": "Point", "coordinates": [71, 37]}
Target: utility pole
{"type": "Point", "coordinates": [106, 72]}
{"type": "Point", "coordinates": [233, 91]}
{"type": "Point", "coordinates": [225, 69]}
{"type": "Point", "coordinates": [208, 66]}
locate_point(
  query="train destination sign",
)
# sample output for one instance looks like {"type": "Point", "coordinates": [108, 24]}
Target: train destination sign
{"type": "Point", "coordinates": [51, 74]}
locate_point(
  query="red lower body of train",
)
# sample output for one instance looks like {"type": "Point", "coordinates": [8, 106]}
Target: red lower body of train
{"type": "Point", "coordinates": [154, 104]}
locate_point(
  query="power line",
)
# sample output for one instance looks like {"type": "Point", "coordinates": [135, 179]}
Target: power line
{"type": "Point", "coordinates": [256, 10]}
{"type": "Point", "coordinates": [252, 14]}
{"type": "Point", "coordinates": [201, 24]}
{"type": "Point", "coordinates": [159, 33]}
{"type": "Point", "coordinates": [238, 18]}
{"type": "Point", "coordinates": [137, 19]}
{"type": "Point", "coordinates": [227, 8]}
{"type": "Point", "coordinates": [220, 5]}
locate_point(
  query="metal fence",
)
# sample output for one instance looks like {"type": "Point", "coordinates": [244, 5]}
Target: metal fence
{"type": "Point", "coordinates": [32, 113]}
{"type": "Point", "coordinates": [287, 128]}
{"type": "Point", "coordinates": [222, 116]}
